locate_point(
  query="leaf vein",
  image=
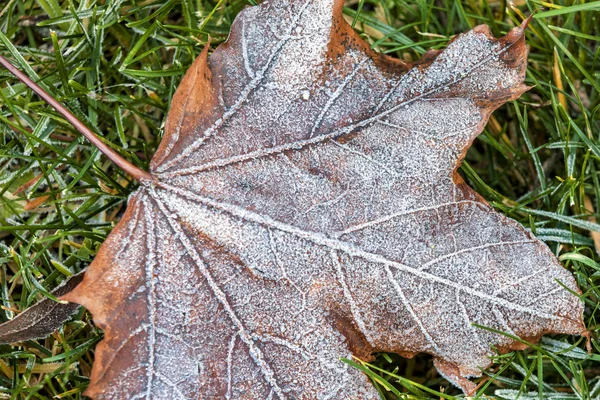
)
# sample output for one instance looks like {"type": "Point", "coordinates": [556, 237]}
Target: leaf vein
{"type": "Point", "coordinates": [245, 93]}
{"type": "Point", "coordinates": [348, 248]}
{"type": "Point", "coordinates": [261, 153]}
{"type": "Point", "coordinates": [255, 352]}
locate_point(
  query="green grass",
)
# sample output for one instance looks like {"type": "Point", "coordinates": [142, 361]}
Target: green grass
{"type": "Point", "coordinates": [116, 64]}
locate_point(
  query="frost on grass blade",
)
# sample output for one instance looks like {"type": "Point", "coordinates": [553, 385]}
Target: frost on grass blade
{"type": "Point", "coordinates": [511, 394]}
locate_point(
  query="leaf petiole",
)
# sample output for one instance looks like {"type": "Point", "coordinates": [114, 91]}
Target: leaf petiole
{"type": "Point", "coordinates": [138, 173]}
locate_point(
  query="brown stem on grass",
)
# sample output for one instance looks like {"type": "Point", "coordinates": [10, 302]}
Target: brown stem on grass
{"type": "Point", "coordinates": [139, 174]}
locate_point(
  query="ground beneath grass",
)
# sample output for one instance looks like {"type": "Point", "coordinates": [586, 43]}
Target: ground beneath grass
{"type": "Point", "coordinates": [116, 64]}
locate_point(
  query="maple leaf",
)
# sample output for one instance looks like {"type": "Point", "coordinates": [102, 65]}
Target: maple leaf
{"type": "Point", "coordinates": [303, 206]}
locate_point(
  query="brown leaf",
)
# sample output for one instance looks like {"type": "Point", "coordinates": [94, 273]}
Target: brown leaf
{"type": "Point", "coordinates": [27, 185]}
{"type": "Point", "coordinates": [43, 318]}
{"type": "Point", "coordinates": [305, 206]}
{"type": "Point", "coordinates": [35, 203]}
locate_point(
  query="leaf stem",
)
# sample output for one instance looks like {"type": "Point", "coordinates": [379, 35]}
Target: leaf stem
{"type": "Point", "coordinates": [138, 173]}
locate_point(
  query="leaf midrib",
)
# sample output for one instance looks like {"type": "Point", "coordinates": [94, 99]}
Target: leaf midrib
{"type": "Point", "coordinates": [348, 248]}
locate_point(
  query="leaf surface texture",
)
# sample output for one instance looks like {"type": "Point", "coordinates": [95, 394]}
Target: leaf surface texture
{"type": "Point", "coordinates": [306, 207]}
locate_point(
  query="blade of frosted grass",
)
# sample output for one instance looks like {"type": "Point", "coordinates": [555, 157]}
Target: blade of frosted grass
{"type": "Point", "coordinates": [146, 53]}
{"type": "Point", "coordinates": [574, 33]}
{"type": "Point", "coordinates": [590, 226]}
{"type": "Point", "coordinates": [540, 375]}
{"type": "Point", "coordinates": [138, 45]}
{"type": "Point", "coordinates": [157, 15]}
{"type": "Point", "coordinates": [210, 15]}
{"type": "Point", "coordinates": [563, 236]}
{"type": "Point", "coordinates": [591, 6]}
{"type": "Point", "coordinates": [523, 127]}
{"type": "Point", "coordinates": [58, 151]}
{"type": "Point", "coordinates": [119, 125]}
{"type": "Point", "coordinates": [493, 377]}
{"type": "Point", "coordinates": [361, 3]}
{"type": "Point", "coordinates": [561, 145]}
{"type": "Point", "coordinates": [564, 376]}
{"type": "Point", "coordinates": [575, 62]}
{"type": "Point", "coordinates": [153, 74]}
{"type": "Point", "coordinates": [521, 369]}
{"type": "Point", "coordinates": [22, 64]}
{"type": "Point", "coordinates": [34, 136]}
{"type": "Point", "coordinates": [73, 353]}
{"type": "Point", "coordinates": [584, 138]}
{"type": "Point", "coordinates": [525, 342]}
{"type": "Point", "coordinates": [381, 42]}
{"type": "Point", "coordinates": [462, 15]}
{"type": "Point", "coordinates": [34, 228]}
{"type": "Point", "coordinates": [60, 62]}
{"type": "Point", "coordinates": [481, 186]}
{"type": "Point", "coordinates": [374, 377]}
{"type": "Point", "coordinates": [580, 258]}
{"type": "Point", "coordinates": [51, 7]}
{"type": "Point", "coordinates": [405, 382]}
{"type": "Point", "coordinates": [84, 169]}
{"type": "Point", "coordinates": [68, 18]}
{"type": "Point", "coordinates": [383, 28]}
{"type": "Point", "coordinates": [527, 376]}
{"type": "Point", "coordinates": [162, 39]}
{"type": "Point", "coordinates": [412, 45]}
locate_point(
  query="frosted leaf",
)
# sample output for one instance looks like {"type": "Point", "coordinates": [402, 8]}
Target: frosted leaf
{"type": "Point", "coordinates": [306, 207]}
{"type": "Point", "coordinates": [43, 318]}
